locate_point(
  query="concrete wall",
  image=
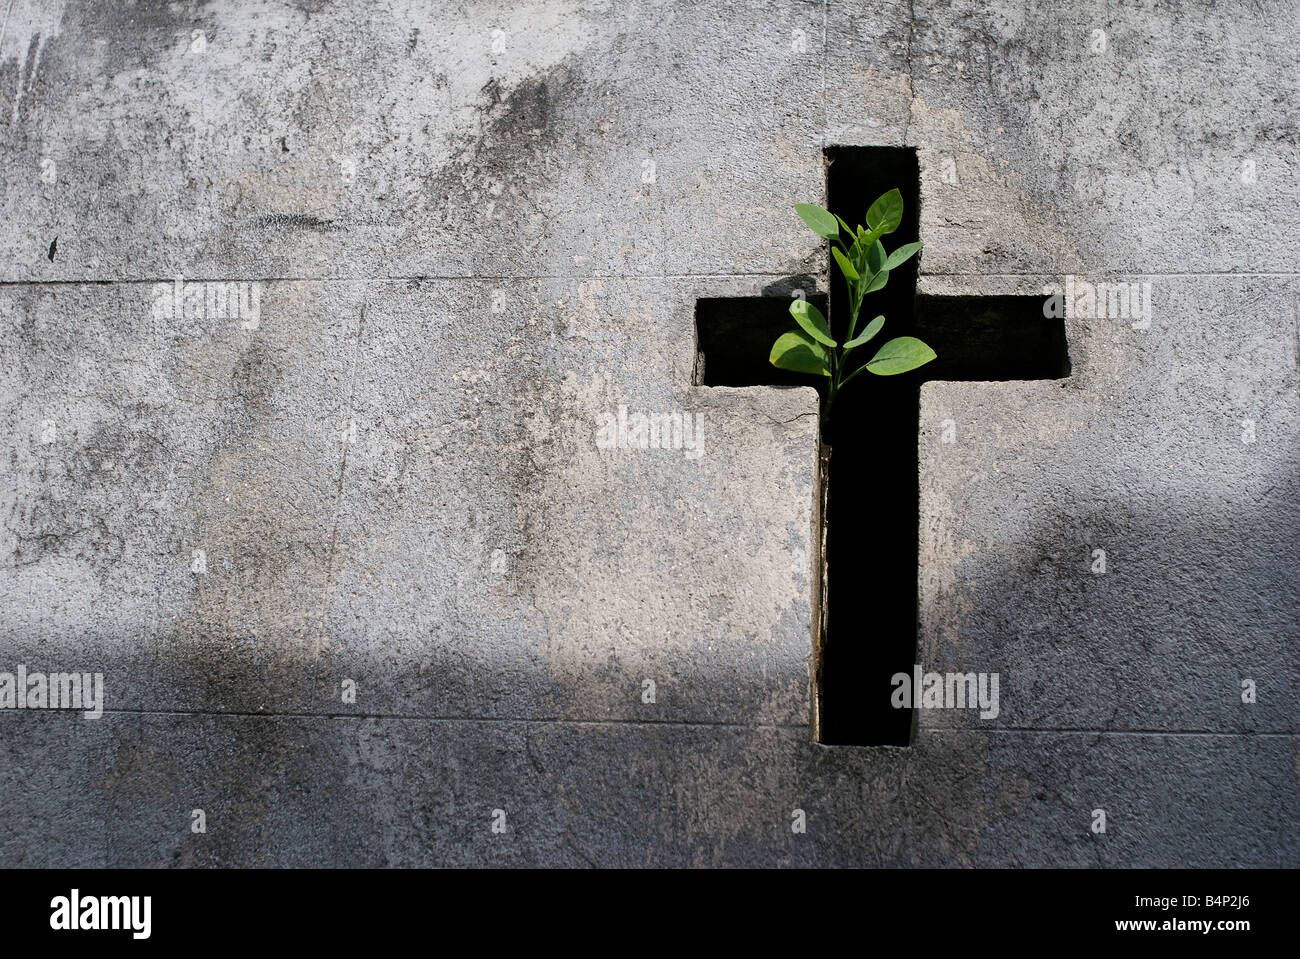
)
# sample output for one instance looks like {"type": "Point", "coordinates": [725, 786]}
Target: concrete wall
{"type": "Point", "coordinates": [473, 230]}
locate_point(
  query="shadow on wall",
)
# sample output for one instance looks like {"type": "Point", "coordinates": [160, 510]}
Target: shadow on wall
{"type": "Point", "coordinates": [1102, 617]}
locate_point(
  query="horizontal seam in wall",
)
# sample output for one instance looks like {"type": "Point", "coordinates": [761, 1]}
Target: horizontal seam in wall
{"type": "Point", "coordinates": [635, 277]}
{"type": "Point", "coordinates": [557, 720]}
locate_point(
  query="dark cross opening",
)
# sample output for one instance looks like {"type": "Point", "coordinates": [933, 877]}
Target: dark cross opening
{"type": "Point", "coordinates": [869, 618]}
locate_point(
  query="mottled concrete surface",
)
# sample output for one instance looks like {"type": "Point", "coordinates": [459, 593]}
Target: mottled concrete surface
{"type": "Point", "coordinates": [478, 228]}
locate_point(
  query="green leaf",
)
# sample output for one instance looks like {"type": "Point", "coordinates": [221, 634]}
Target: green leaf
{"type": "Point", "coordinates": [799, 352]}
{"type": "Point", "coordinates": [901, 255]}
{"type": "Point", "coordinates": [847, 229]}
{"type": "Point", "coordinates": [812, 321]}
{"type": "Point", "coordinates": [822, 222]}
{"type": "Point", "coordinates": [876, 258]}
{"type": "Point", "coordinates": [865, 336]}
{"type": "Point", "coordinates": [877, 282]}
{"type": "Point", "coordinates": [858, 255]}
{"type": "Point", "coordinates": [886, 213]}
{"type": "Point", "coordinates": [899, 355]}
{"type": "Point", "coordinates": [845, 265]}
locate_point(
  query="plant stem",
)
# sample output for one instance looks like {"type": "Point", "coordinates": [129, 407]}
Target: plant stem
{"type": "Point", "coordinates": [838, 354]}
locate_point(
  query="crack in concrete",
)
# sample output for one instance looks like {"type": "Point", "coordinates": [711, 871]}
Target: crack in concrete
{"type": "Point", "coordinates": [328, 591]}
{"type": "Point", "coordinates": [797, 416]}
{"type": "Point", "coordinates": [911, 81]}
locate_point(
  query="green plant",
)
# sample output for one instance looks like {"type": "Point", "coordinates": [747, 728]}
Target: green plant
{"type": "Point", "coordinates": [866, 266]}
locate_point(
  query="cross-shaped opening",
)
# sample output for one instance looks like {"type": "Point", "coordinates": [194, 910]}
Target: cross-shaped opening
{"type": "Point", "coordinates": [868, 628]}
